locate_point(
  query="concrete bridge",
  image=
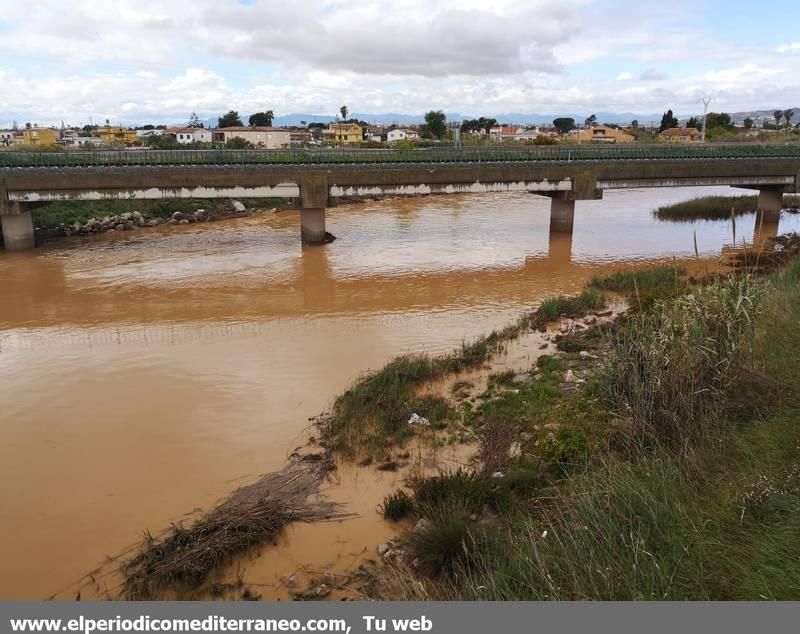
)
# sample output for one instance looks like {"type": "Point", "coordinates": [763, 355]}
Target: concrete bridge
{"type": "Point", "coordinates": [316, 178]}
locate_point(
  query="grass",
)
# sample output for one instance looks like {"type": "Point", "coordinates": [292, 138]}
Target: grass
{"type": "Point", "coordinates": [715, 208]}
{"type": "Point", "coordinates": [67, 212]}
{"type": "Point", "coordinates": [657, 277]}
{"type": "Point", "coordinates": [376, 409]}
{"type": "Point", "coordinates": [397, 505]}
{"type": "Point", "coordinates": [704, 503]}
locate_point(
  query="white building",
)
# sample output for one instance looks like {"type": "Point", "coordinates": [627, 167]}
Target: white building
{"type": "Point", "coordinates": [6, 137]}
{"type": "Point", "coordinates": [401, 134]}
{"type": "Point", "coordinates": [191, 135]}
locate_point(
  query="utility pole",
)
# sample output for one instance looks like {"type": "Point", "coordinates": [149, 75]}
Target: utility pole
{"type": "Point", "coordinates": [706, 101]}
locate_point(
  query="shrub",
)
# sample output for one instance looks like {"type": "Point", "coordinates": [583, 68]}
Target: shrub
{"type": "Point", "coordinates": [397, 505]}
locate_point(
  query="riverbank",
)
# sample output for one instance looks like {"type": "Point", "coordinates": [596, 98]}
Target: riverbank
{"type": "Point", "coordinates": [668, 472]}
{"type": "Point", "coordinates": [82, 218]}
{"type": "Point", "coordinates": [717, 208]}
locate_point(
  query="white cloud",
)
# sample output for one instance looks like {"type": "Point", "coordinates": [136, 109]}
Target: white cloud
{"type": "Point", "coordinates": [794, 47]}
{"type": "Point", "coordinates": [651, 74]}
{"type": "Point", "coordinates": [624, 76]}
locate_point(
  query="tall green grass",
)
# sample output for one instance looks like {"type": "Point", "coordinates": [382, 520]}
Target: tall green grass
{"type": "Point", "coordinates": [715, 208]}
{"type": "Point", "coordinates": [707, 506]}
{"type": "Point", "coordinates": [657, 277]}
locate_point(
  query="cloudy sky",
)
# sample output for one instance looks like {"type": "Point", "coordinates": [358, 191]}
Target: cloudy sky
{"type": "Point", "coordinates": [137, 60]}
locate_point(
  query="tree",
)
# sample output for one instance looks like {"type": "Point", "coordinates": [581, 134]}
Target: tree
{"type": "Point", "coordinates": [483, 124]}
{"type": "Point", "coordinates": [564, 124]}
{"type": "Point", "coordinates": [778, 114]}
{"type": "Point", "coordinates": [591, 121]}
{"type": "Point", "coordinates": [668, 120]}
{"type": "Point", "coordinates": [693, 123]}
{"type": "Point", "coordinates": [194, 122]}
{"type": "Point", "coordinates": [261, 119]}
{"type": "Point", "coordinates": [436, 124]}
{"type": "Point", "coordinates": [747, 123]}
{"type": "Point", "coordinates": [28, 125]}
{"type": "Point", "coordinates": [343, 110]}
{"type": "Point", "coordinates": [788, 114]}
{"type": "Point", "coordinates": [229, 120]}
{"type": "Point", "coordinates": [635, 123]}
{"type": "Point", "coordinates": [718, 120]}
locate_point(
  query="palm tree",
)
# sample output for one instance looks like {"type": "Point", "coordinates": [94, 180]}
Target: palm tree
{"type": "Point", "coordinates": [344, 112]}
{"type": "Point", "coordinates": [778, 114]}
{"type": "Point", "coordinates": [788, 114]}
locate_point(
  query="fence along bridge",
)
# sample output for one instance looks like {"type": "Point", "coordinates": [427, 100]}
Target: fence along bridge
{"type": "Point", "coordinates": [565, 174]}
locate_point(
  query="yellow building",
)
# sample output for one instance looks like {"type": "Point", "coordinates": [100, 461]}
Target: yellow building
{"type": "Point", "coordinates": [603, 134]}
{"type": "Point", "coordinates": [115, 134]}
{"type": "Point", "coordinates": [39, 136]}
{"type": "Point", "coordinates": [344, 133]}
{"type": "Point", "coordinates": [681, 135]}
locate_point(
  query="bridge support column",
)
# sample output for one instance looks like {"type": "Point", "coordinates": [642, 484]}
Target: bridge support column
{"type": "Point", "coordinates": [17, 227]}
{"type": "Point", "coordinates": [770, 203]}
{"type": "Point", "coordinates": [312, 225]}
{"type": "Point", "coordinates": [766, 227]}
{"type": "Point", "coordinates": [313, 200]}
{"type": "Point", "coordinates": [562, 214]}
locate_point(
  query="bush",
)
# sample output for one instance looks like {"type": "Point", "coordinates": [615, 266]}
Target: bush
{"type": "Point", "coordinates": [397, 505]}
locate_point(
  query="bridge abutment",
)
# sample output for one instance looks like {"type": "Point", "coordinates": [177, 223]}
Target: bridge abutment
{"type": "Point", "coordinates": [17, 224]}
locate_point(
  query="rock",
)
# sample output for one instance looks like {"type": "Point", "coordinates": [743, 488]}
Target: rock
{"type": "Point", "coordinates": [543, 346]}
{"type": "Point", "coordinates": [177, 216]}
{"type": "Point", "coordinates": [525, 436]}
{"type": "Point", "coordinates": [365, 462]}
{"type": "Point", "coordinates": [388, 465]}
{"type": "Point", "coordinates": [237, 206]}
{"type": "Point", "coordinates": [128, 226]}
{"type": "Point", "coordinates": [551, 426]}
{"type": "Point", "coordinates": [605, 313]}
{"type": "Point", "coordinates": [564, 328]}
{"type": "Point", "coordinates": [383, 549]}
{"type": "Point", "coordinates": [590, 320]}
{"type": "Point", "coordinates": [152, 223]}
{"type": "Point", "coordinates": [586, 355]}
{"type": "Point", "coordinates": [422, 526]}
{"type": "Point", "coordinates": [119, 227]}
{"type": "Point", "coordinates": [416, 419]}
{"type": "Point", "coordinates": [569, 377]}
{"type": "Point", "coordinates": [313, 456]}
{"type": "Point", "coordinates": [183, 222]}
{"type": "Point", "coordinates": [515, 450]}
{"type": "Point", "coordinates": [521, 378]}
{"type": "Point", "coordinates": [290, 581]}
{"type": "Point", "coordinates": [172, 221]}
{"type": "Point", "coordinates": [127, 215]}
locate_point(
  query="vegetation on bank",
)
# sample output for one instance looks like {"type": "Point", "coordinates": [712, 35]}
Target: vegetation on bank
{"type": "Point", "coordinates": [715, 208]}
{"type": "Point", "coordinates": [673, 472]}
{"type": "Point", "coordinates": [376, 410]}
{"type": "Point", "coordinates": [67, 212]}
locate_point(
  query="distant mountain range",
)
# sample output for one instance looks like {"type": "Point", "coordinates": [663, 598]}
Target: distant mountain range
{"type": "Point", "coordinates": [296, 118]}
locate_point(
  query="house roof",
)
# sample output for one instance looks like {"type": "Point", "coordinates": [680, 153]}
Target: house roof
{"type": "Point", "coordinates": [244, 128]}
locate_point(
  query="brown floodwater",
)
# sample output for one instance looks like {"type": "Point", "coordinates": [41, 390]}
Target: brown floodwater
{"type": "Point", "coordinates": [147, 374]}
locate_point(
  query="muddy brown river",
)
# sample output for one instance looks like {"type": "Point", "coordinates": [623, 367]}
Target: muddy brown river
{"type": "Point", "coordinates": [147, 374]}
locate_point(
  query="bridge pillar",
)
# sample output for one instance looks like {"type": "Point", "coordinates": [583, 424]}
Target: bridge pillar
{"type": "Point", "coordinates": [313, 200]}
{"type": "Point", "coordinates": [562, 213]}
{"type": "Point", "coordinates": [17, 227]}
{"type": "Point", "coordinates": [766, 227]}
{"type": "Point", "coordinates": [770, 203]}
{"type": "Point", "coordinates": [312, 225]}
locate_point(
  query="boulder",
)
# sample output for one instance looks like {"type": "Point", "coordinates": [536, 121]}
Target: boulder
{"type": "Point", "coordinates": [177, 216]}
{"type": "Point", "coordinates": [183, 222]}
{"type": "Point", "coordinates": [237, 206]}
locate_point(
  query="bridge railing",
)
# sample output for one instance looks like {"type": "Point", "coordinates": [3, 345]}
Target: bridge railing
{"type": "Point", "coordinates": [343, 156]}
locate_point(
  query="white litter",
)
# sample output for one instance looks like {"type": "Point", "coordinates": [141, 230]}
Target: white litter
{"type": "Point", "coordinates": [498, 474]}
{"type": "Point", "coordinates": [416, 419]}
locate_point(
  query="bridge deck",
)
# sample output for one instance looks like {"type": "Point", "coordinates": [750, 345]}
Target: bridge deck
{"type": "Point", "coordinates": [542, 155]}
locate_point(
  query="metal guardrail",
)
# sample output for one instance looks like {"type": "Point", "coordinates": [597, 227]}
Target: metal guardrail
{"type": "Point", "coordinates": [299, 157]}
